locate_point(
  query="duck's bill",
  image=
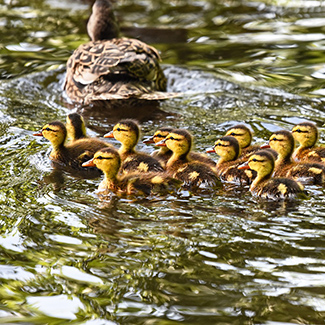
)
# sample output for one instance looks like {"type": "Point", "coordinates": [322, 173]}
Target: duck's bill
{"type": "Point", "coordinates": [89, 163]}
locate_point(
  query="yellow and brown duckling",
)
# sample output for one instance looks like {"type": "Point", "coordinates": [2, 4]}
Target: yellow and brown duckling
{"type": "Point", "coordinates": [306, 134]}
{"type": "Point", "coordinates": [128, 132]}
{"type": "Point", "coordinates": [71, 156]}
{"type": "Point", "coordinates": [76, 127]}
{"type": "Point", "coordinates": [266, 186]}
{"type": "Point", "coordinates": [228, 149]}
{"type": "Point", "coordinates": [244, 137]}
{"type": "Point", "coordinates": [284, 144]}
{"type": "Point", "coordinates": [109, 67]}
{"type": "Point", "coordinates": [192, 173]}
{"type": "Point", "coordinates": [164, 153]}
{"type": "Point", "coordinates": [109, 162]}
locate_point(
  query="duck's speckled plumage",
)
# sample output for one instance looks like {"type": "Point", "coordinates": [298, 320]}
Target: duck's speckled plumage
{"type": "Point", "coordinates": [109, 68]}
{"type": "Point", "coordinates": [267, 187]}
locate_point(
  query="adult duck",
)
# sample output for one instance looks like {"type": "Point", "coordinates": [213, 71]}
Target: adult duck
{"type": "Point", "coordinates": [109, 67]}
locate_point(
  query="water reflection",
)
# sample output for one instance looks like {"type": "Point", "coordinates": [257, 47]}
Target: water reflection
{"type": "Point", "coordinates": [224, 257]}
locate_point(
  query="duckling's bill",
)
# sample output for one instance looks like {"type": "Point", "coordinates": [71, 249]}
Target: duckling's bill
{"type": "Point", "coordinates": [38, 134]}
{"type": "Point", "coordinates": [244, 166]}
{"type": "Point", "coordinates": [109, 135]}
{"type": "Point", "coordinates": [149, 140]}
{"type": "Point", "coordinates": [161, 143]}
{"type": "Point", "coordinates": [89, 163]}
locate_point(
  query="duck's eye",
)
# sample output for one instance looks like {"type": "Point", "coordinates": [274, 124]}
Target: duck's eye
{"type": "Point", "coordinates": [101, 157]}
{"type": "Point", "coordinates": [254, 159]}
{"type": "Point", "coordinates": [118, 129]}
{"type": "Point", "coordinates": [171, 138]}
{"type": "Point", "coordinates": [232, 133]}
{"type": "Point", "coordinates": [49, 129]}
{"type": "Point", "coordinates": [159, 136]}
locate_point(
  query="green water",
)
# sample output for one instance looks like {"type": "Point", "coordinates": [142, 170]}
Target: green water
{"type": "Point", "coordinates": [221, 258]}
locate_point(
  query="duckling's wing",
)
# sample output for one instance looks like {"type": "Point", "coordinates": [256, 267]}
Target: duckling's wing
{"type": "Point", "coordinates": [197, 175]}
{"type": "Point", "coordinates": [141, 163]}
{"type": "Point", "coordinates": [279, 188]}
{"type": "Point", "coordinates": [308, 173]}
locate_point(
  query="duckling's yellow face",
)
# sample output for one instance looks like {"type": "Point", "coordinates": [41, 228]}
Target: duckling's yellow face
{"type": "Point", "coordinates": [282, 144]}
{"type": "Point", "coordinates": [54, 132]}
{"type": "Point", "coordinates": [177, 143]}
{"type": "Point", "coordinates": [125, 134]}
{"type": "Point", "coordinates": [225, 149]}
{"type": "Point", "coordinates": [305, 134]}
{"type": "Point", "coordinates": [160, 135]}
{"type": "Point", "coordinates": [107, 161]}
{"type": "Point", "coordinates": [262, 164]}
{"type": "Point", "coordinates": [243, 136]}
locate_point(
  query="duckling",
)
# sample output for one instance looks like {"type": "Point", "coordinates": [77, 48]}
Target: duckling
{"type": "Point", "coordinates": [71, 156]}
{"type": "Point", "coordinates": [265, 186]}
{"type": "Point", "coordinates": [227, 147]}
{"type": "Point", "coordinates": [76, 127]}
{"type": "Point", "coordinates": [244, 136]}
{"type": "Point", "coordinates": [306, 134]}
{"type": "Point", "coordinates": [128, 133]}
{"type": "Point", "coordinates": [283, 143]}
{"type": "Point", "coordinates": [192, 173]}
{"type": "Point", "coordinates": [109, 162]}
{"type": "Point", "coordinates": [163, 154]}
{"type": "Point", "coordinates": [109, 67]}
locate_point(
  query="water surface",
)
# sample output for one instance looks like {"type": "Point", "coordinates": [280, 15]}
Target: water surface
{"type": "Point", "coordinates": [218, 258]}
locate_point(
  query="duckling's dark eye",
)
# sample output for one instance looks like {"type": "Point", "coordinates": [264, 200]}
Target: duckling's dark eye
{"type": "Point", "coordinates": [101, 157]}
{"type": "Point", "coordinates": [232, 133]}
{"type": "Point", "coordinates": [300, 131]}
{"type": "Point", "coordinates": [49, 129]}
{"type": "Point", "coordinates": [254, 159]}
{"type": "Point", "coordinates": [159, 136]}
{"type": "Point", "coordinates": [118, 129]}
{"type": "Point", "coordinates": [171, 138]}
